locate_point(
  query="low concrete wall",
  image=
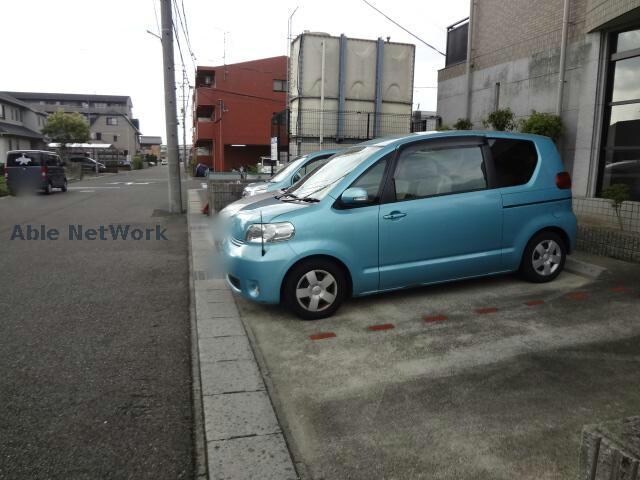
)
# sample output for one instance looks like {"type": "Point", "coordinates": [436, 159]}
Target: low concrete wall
{"type": "Point", "coordinates": [611, 451]}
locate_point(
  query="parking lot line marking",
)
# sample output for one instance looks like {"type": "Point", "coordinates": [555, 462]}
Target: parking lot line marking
{"type": "Point", "coordinates": [577, 295]}
{"type": "Point", "coordinates": [322, 335]}
{"type": "Point", "coordinates": [383, 326]}
{"type": "Point", "coordinates": [434, 318]}
{"type": "Point", "coordinates": [533, 303]}
{"type": "Point", "coordinates": [482, 311]}
{"type": "Point", "coordinates": [619, 289]}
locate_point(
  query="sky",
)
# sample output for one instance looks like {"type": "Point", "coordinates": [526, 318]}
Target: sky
{"type": "Point", "coordinates": [102, 47]}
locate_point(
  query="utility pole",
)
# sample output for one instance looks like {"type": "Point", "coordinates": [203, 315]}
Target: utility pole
{"type": "Point", "coordinates": [175, 188]}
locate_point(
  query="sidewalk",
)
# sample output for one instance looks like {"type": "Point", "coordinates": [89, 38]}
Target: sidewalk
{"type": "Point", "coordinates": [238, 434]}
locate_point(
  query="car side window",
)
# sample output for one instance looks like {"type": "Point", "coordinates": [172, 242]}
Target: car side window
{"type": "Point", "coordinates": [514, 161]}
{"type": "Point", "coordinates": [371, 180]}
{"type": "Point", "coordinates": [425, 172]}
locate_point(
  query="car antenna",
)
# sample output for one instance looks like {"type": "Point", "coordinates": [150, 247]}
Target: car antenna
{"type": "Point", "coordinates": [262, 234]}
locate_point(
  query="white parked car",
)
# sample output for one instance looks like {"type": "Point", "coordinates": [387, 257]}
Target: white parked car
{"type": "Point", "coordinates": [164, 162]}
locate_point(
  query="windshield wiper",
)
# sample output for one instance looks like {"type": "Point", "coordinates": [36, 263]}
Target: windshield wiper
{"type": "Point", "coordinates": [287, 194]}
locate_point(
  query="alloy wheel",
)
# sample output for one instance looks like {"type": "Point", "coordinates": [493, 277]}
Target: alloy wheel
{"type": "Point", "coordinates": [546, 257]}
{"type": "Point", "coordinates": [316, 290]}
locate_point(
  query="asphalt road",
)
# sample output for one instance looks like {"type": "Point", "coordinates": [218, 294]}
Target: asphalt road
{"type": "Point", "coordinates": [94, 336]}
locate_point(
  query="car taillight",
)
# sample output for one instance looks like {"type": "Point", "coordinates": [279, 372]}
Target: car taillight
{"type": "Point", "coordinates": [43, 170]}
{"type": "Point", "coordinates": [563, 181]}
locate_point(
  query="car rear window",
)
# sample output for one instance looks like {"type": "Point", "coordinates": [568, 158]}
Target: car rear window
{"type": "Point", "coordinates": [514, 160]}
{"type": "Point", "coordinates": [23, 159]}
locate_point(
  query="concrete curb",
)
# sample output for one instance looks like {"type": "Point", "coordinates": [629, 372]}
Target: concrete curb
{"type": "Point", "coordinates": [242, 435]}
{"type": "Point", "coordinates": [200, 444]}
{"type": "Point", "coordinates": [585, 269]}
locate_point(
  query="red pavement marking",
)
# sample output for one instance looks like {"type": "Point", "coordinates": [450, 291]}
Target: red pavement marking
{"type": "Point", "coordinates": [533, 303]}
{"type": "Point", "coordinates": [619, 289]}
{"type": "Point", "coordinates": [384, 326]}
{"type": "Point", "coordinates": [482, 311]}
{"type": "Point", "coordinates": [322, 335]}
{"type": "Point", "coordinates": [578, 295]}
{"type": "Point", "coordinates": [434, 318]}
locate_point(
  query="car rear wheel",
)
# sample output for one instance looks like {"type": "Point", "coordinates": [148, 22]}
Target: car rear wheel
{"type": "Point", "coordinates": [543, 258]}
{"type": "Point", "coordinates": [48, 188]}
{"type": "Point", "coordinates": [64, 185]}
{"type": "Point", "coordinates": [314, 289]}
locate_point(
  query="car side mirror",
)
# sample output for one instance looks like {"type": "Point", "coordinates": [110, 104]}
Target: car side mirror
{"type": "Point", "coordinates": [354, 196]}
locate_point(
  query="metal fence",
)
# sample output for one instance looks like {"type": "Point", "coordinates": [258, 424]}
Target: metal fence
{"type": "Point", "coordinates": [348, 125]}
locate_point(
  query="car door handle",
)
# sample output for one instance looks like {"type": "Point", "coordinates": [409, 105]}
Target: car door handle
{"type": "Point", "coordinates": [394, 215]}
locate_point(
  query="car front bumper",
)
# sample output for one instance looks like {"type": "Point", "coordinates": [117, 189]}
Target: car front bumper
{"type": "Point", "coordinates": [253, 275]}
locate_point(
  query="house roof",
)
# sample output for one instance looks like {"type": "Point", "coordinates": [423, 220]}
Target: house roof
{"type": "Point", "coordinates": [26, 96]}
{"type": "Point", "coordinates": [18, 131]}
{"type": "Point", "coordinates": [149, 140]}
{"type": "Point", "coordinates": [6, 97]}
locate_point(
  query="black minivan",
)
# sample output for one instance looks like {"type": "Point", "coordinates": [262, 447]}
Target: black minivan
{"type": "Point", "coordinates": [34, 170]}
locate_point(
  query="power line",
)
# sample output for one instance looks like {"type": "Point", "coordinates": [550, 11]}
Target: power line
{"type": "Point", "coordinates": [155, 13]}
{"type": "Point", "coordinates": [400, 26]}
{"type": "Point", "coordinates": [182, 23]}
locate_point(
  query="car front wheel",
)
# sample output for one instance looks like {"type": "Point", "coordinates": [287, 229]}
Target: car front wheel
{"type": "Point", "coordinates": [543, 258]}
{"type": "Point", "coordinates": [314, 289]}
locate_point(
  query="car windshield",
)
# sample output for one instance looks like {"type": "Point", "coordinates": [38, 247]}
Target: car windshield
{"type": "Point", "coordinates": [318, 184]}
{"type": "Point", "coordinates": [289, 168]}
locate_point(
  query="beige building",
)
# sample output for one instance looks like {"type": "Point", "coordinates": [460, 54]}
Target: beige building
{"type": "Point", "coordinates": [511, 54]}
{"type": "Point", "coordinates": [110, 117]}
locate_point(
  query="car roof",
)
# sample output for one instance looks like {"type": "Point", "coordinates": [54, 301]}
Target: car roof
{"type": "Point", "coordinates": [398, 140]}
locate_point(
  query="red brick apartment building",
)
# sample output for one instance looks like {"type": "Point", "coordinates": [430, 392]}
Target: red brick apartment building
{"type": "Point", "coordinates": [234, 105]}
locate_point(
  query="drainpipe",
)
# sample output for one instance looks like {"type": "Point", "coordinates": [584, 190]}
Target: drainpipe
{"type": "Point", "coordinates": [469, 73]}
{"type": "Point", "coordinates": [378, 97]}
{"type": "Point", "coordinates": [322, 97]}
{"type": "Point", "coordinates": [563, 56]}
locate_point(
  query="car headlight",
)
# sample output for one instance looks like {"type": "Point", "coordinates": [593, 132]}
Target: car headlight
{"type": "Point", "coordinates": [269, 232]}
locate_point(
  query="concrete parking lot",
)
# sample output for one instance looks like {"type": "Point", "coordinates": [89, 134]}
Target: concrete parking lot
{"type": "Point", "coordinates": [484, 379]}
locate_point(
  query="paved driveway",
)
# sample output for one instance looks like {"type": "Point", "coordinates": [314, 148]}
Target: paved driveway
{"type": "Point", "coordinates": [489, 379]}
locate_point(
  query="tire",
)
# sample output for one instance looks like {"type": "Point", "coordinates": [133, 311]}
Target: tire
{"type": "Point", "coordinates": [310, 285]}
{"type": "Point", "coordinates": [48, 189]}
{"type": "Point", "coordinates": [543, 258]}
{"type": "Point", "coordinates": [64, 186]}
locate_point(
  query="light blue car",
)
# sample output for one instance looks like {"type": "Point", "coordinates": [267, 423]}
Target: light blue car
{"type": "Point", "coordinates": [401, 212]}
{"type": "Point", "coordinates": [291, 173]}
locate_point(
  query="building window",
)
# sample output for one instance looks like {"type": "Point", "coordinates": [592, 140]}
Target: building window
{"type": "Point", "coordinates": [98, 136]}
{"type": "Point", "coordinates": [620, 154]}
{"type": "Point", "coordinates": [2, 112]}
{"type": "Point", "coordinates": [115, 138]}
{"type": "Point", "coordinates": [112, 120]}
{"type": "Point", "coordinates": [100, 105]}
{"type": "Point", "coordinates": [279, 85]}
{"type": "Point", "coordinates": [457, 35]}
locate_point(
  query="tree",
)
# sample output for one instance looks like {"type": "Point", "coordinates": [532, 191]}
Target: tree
{"type": "Point", "coordinates": [64, 128]}
{"type": "Point", "coordinates": [463, 124]}
{"type": "Point", "coordinates": [617, 194]}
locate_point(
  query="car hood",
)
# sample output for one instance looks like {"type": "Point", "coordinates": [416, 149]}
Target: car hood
{"type": "Point", "coordinates": [263, 210]}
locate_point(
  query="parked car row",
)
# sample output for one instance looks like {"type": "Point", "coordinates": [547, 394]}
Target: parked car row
{"type": "Point", "coordinates": [89, 164]}
{"type": "Point", "coordinates": [401, 212]}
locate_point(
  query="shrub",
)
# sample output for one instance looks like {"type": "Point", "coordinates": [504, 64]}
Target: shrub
{"type": "Point", "coordinates": [545, 124]}
{"type": "Point", "coordinates": [463, 124]}
{"type": "Point", "coordinates": [501, 120]}
{"type": "Point", "coordinates": [443, 128]}
{"type": "Point", "coordinates": [4, 190]}
{"type": "Point", "coordinates": [617, 193]}
{"type": "Point", "coordinates": [136, 162]}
